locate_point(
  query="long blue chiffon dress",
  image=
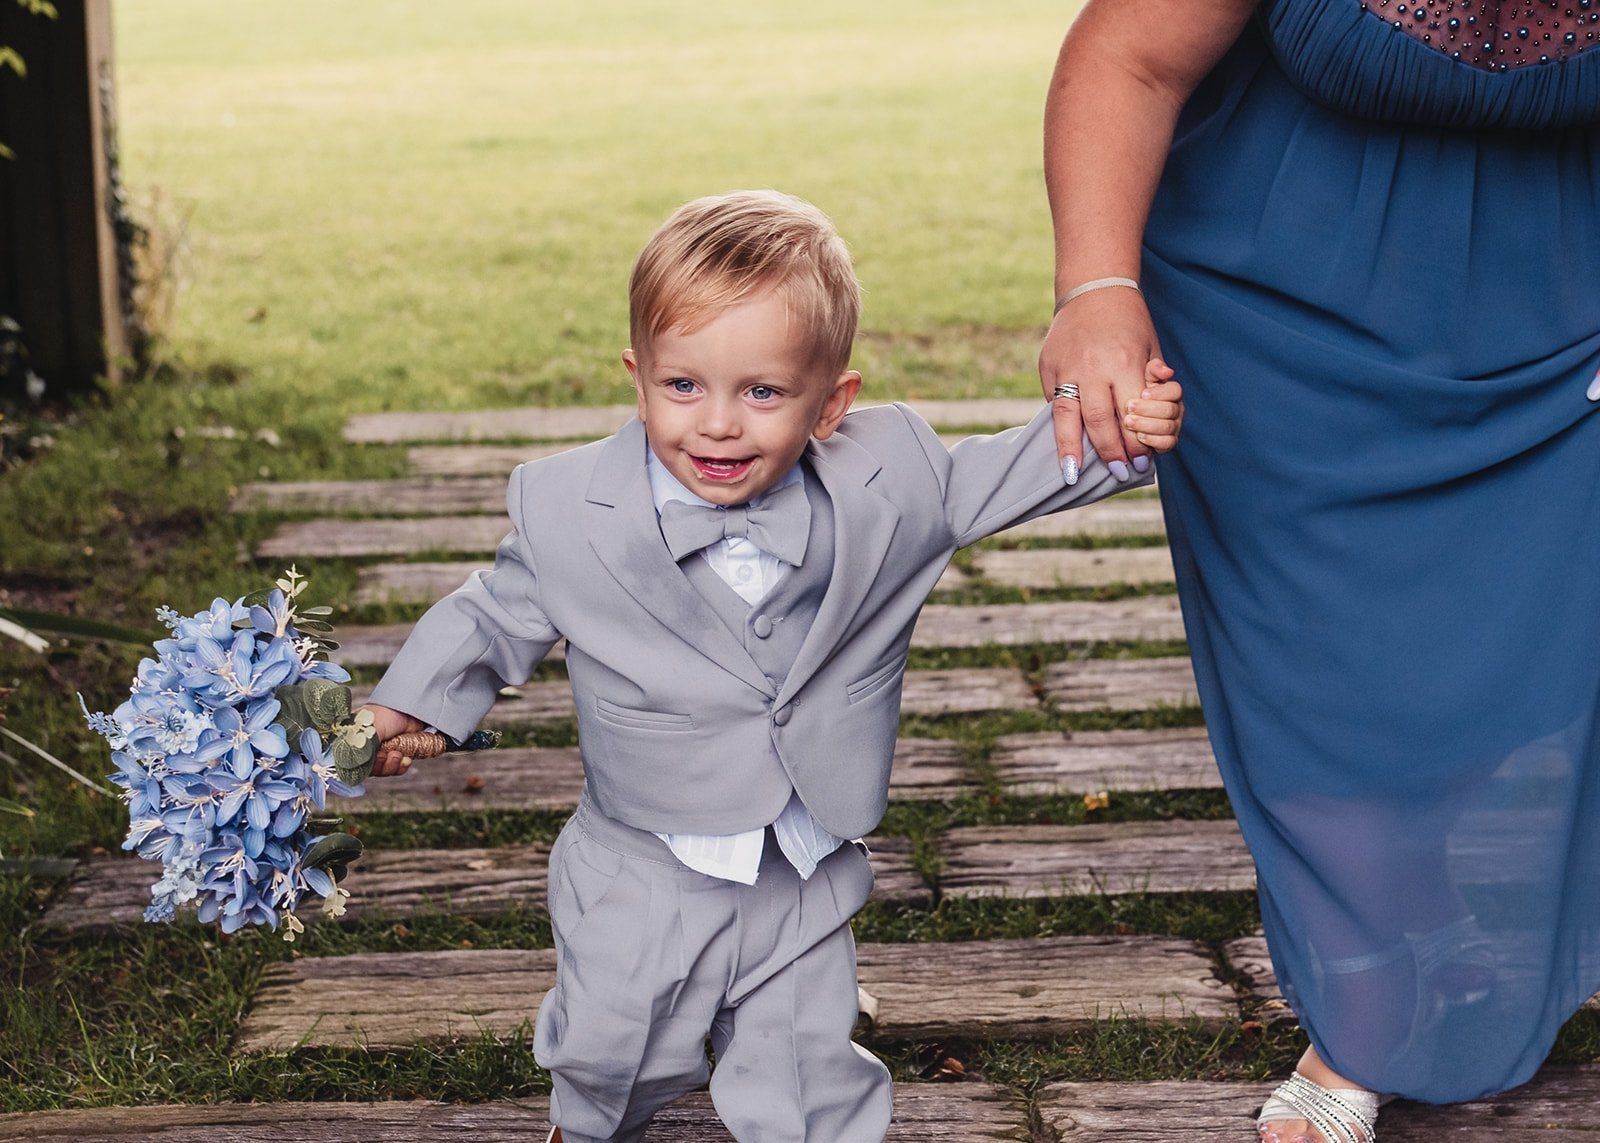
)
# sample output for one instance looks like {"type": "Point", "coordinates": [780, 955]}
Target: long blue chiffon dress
{"type": "Point", "coordinates": [1374, 259]}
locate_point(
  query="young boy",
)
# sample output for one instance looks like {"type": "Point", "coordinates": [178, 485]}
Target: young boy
{"type": "Point", "coordinates": [736, 573]}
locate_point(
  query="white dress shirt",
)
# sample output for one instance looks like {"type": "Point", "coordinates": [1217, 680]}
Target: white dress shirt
{"type": "Point", "coordinates": [752, 573]}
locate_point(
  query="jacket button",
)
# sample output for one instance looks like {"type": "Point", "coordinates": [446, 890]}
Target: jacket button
{"type": "Point", "coordinates": [781, 716]}
{"type": "Point", "coordinates": [762, 626]}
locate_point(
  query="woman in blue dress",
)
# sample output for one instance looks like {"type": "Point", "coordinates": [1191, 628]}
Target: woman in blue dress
{"type": "Point", "coordinates": [1368, 235]}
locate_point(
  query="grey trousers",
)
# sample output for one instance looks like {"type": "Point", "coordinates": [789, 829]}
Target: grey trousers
{"type": "Point", "coordinates": [653, 956]}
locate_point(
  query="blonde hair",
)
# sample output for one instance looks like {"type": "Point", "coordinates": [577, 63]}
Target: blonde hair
{"type": "Point", "coordinates": [718, 251]}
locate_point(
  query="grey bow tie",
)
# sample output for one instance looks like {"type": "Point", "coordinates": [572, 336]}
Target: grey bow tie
{"type": "Point", "coordinates": [778, 522]}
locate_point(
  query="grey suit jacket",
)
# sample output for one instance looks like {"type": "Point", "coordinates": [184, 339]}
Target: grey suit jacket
{"type": "Point", "coordinates": [679, 729]}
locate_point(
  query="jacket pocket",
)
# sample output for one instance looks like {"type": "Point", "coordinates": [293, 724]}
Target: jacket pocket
{"type": "Point", "coordinates": [865, 688]}
{"type": "Point", "coordinates": [636, 719]}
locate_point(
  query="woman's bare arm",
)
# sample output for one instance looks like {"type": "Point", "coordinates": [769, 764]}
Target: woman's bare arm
{"type": "Point", "coordinates": [1125, 70]}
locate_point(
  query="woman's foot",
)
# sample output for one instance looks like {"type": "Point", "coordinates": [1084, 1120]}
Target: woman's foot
{"type": "Point", "coordinates": [1301, 1130]}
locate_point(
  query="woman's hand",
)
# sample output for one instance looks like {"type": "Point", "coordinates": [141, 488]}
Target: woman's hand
{"type": "Point", "coordinates": [388, 723]}
{"type": "Point", "coordinates": [1102, 342]}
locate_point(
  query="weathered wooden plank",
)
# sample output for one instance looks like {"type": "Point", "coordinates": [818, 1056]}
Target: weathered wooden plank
{"type": "Point", "coordinates": [478, 460]}
{"type": "Point", "coordinates": [331, 538]}
{"type": "Point", "coordinates": [1055, 762]}
{"type": "Point", "coordinates": [1120, 684]}
{"type": "Point", "coordinates": [1110, 858]}
{"type": "Point", "coordinates": [1038, 987]}
{"type": "Point", "coordinates": [385, 884]}
{"type": "Point", "coordinates": [479, 534]}
{"type": "Point", "coordinates": [923, 1113]}
{"type": "Point", "coordinates": [967, 690]}
{"type": "Point", "coordinates": [537, 778]}
{"type": "Point", "coordinates": [1074, 567]}
{"type": "Point", "coordinates": [549, 423]}
{"type": "Point", "coordinates": [494, 460]}
{"type": "Point", "coordinates": [395, 884]}
{"type": "Point", "coordinates": [1009, 988]}
{"type": "Point", "coordinates": [1248, 957]}
{"type": "Point", "coordinates": [942, 1113]}
{"type": "Point", "coordinates": [1560, 1105]}
{"type": "Point", "coordinates": [411, 496]}
{"type": "Point", "coordinates": [557, 423]}
{"type": "Point", "coordinates": [428, 582]}
{"type": "Point", "coordinates": [1127, 515]}
{"type": "Point", "coordinates": [1140, 619]}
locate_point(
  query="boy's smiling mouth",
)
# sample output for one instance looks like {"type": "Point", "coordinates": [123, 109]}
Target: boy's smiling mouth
{"type": "Point", "coordinates": [723, 470]}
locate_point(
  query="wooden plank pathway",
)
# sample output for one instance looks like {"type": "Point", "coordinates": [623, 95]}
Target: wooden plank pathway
{"type": "Point", "coordinates": [932, 693]}
{"type": "Point", "coordinates": [388, 885]}
{"type": "Point", "coordinates": [567, 422]}
{"type": "Point", "coordinates": [923, 1113]}
{"type": "Point", "coordinates": [1101, 858]}
{"type": "Point", "coordinates": [1120, 684]}
{"type": "Point", "coordinates": [1056, 762]}
{"type": "Point", "coordinates": [1560, 1105]}
{"type": "Point", "coordinates": [1074, 567]}
{"type": "Point", "coordinates": [1141, 619]}
{"type": "Point", "coordinates": [1013, 988]}
{"type": "Point", "coordinates": [453, 533]}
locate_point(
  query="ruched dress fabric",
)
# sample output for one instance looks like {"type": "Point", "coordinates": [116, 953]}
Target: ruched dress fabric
{"type": "Point", "coordinates": [1377, 270]}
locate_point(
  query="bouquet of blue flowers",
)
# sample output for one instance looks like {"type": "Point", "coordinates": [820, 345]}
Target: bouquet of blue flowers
{"type": "Point", "coordinates": [226, 751]}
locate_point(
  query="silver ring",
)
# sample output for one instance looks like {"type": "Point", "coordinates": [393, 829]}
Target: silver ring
{"type": "Point", "coordinates": [1070, 392]}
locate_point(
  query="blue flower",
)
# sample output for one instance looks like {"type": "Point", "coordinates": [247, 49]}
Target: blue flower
{"type": "Point", "coordinates": [243, 738]}
{"type": "Point", "coordinates": [273, 619]}
{"type": "Point", "coordinates": [324, 775]}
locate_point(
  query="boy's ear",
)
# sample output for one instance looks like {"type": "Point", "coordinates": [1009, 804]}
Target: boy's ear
{"type": "Point", "coordinates": [631, 360]}
{"type": "Point", "coordinates": [837, 404]}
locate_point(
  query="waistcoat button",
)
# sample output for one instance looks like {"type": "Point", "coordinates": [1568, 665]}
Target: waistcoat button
{"type": "Point", "coordinates": [762, 626]}
{"type": "Point", "coordinates": [781, 717]}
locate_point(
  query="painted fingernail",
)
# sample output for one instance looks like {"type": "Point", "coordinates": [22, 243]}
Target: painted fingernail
{"type": "Point", "coordinates": [1141, 464]}
{"type": "Point", "coordinates": [1069, 470]}
{"type": "Point", "coordinates": [1117, 469]}
{"type": "Point", "coordinates": [1594, 388]}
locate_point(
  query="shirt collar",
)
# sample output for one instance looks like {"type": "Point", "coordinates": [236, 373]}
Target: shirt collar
{"type": "Point", "coordinates": [664, 486]}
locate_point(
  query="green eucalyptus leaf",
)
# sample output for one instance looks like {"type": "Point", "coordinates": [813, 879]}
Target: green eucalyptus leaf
{"type": "Point", "coordinates": [294, 714]}
{"type": "Point", "coordinates": [314, 611]}
{"type": "Point", "coordinates": [353, 764]}
{"type": "Point", "coordinates": [333, 852]}
{"type": "Point", "coordinates": [257, 598]}
{"type": "Point", "coordinates": [328, 702]}
{"type": "Point", "coordinates": [311, 625]}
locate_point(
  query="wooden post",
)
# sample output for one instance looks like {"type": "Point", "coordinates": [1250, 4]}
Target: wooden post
{"type": "Point", "coordinates": [63, 277]}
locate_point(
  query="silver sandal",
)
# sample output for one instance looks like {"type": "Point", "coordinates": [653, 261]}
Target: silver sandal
{"type": "Point", "coordinates": [1343, 1115]}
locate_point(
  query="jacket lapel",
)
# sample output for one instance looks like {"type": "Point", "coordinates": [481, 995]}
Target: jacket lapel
{"type": "Point", "coordinates": [625, 533]}
{"type": "Point", "coordinates": [863, 527]}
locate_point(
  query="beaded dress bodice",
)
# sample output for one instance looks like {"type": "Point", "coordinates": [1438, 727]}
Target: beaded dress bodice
{"type": "Point", "coordinates": [1468, 64]}
{"type": "Point", "coordinates": [1496, 35]}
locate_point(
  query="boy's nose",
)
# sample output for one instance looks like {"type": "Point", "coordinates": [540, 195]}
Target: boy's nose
{"type": "Point", "coordinates": [719, 422]}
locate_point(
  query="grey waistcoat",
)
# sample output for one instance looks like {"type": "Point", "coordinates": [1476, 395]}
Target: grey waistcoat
{"type": "Point", "coordinates": [773, 630]}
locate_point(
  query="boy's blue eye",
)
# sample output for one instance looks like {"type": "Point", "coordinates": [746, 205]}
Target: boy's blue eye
{"type": "Point", "coordinates": [761, 392]}
{"type": "Point", "coordinates": [679, 383]}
